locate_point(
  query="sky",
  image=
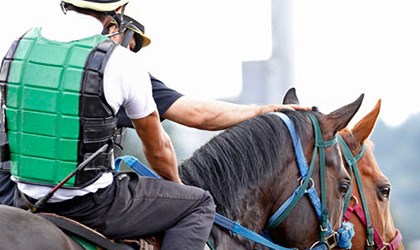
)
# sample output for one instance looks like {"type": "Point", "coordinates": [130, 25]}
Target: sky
{"type": "Point", "coordinates": [341, 48]}
{"type": "Point", "coordinates": [370, 46]}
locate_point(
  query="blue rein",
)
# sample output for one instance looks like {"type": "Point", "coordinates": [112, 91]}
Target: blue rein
{"type": "Point", "coordinates": [219, 220]}
{"type": "Point", "coordinates": [344, 235]}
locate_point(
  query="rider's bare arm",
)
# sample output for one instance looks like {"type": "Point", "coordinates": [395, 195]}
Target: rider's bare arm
{"type": "Point", "coordinates": [216, 115]}
{"type": "Point", "coordinates": [157, 146]}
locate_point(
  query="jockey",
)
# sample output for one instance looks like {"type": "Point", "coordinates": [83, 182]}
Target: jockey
{"type": "Point", "coordinates": [64, 86]}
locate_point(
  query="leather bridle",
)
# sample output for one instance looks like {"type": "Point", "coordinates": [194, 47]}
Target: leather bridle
{"type": "Point", "coordinates": [362, 212]}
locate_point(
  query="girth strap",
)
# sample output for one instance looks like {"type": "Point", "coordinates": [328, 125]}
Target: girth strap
{"type": "Point", "coordinates": [76, 228]}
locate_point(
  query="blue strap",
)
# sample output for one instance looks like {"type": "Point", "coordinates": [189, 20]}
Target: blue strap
{"type": "Point", "coordinates": [136, 165]}
{"type": "Point", "coordinates": [220, 220]}
{"type": "Point", "coordinates": [280, 211]}
{"type": "Point", "coordinates": [316, 202]}
{"type": "Point", "coordinates": [303, 169]}
{"type": "Point", "coordinates": [297, 144]}
{"type": "Point", "coordinates": [245, 232]}
{"type": "Point", "coordinates": [235, 227]}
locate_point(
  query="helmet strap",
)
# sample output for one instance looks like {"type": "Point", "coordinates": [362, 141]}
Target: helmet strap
{"type": "Point", "coordinates": [63, 7]}
{"type": "Point", "coordinates": [114, 16]}
{"type": "Point", "coordinates": [119, 19]}
{"type": "Point", "coordinates": [127, 38]}
{"type": "Point", "coordinates": [122, 24]}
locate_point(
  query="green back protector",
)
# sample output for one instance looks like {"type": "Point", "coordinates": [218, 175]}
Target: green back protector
{"type": "Point", "coordinates": [56, 113]}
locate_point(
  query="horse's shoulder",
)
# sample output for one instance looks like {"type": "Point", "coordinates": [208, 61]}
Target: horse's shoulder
{"type": "Point", "coordinates": [30, 231]}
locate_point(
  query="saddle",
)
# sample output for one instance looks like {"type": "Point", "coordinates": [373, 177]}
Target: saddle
{"type": "Point", "coordinates": [82, 233]}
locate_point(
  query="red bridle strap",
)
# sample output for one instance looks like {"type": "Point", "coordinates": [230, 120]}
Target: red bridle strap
{"type": "Point", "coordinates": [381, 245]}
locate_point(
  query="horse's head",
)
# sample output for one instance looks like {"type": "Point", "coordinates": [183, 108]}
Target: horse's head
{"type": "Point", "coordinates": [251, 171]}
{"type": "Point", "coordinates": [337, 180]}
{"type": "Point", "coordinates": [374, 188]}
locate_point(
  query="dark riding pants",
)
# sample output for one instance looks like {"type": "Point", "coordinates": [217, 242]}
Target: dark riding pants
{"type": "Point", "coordinates": [134, 207]}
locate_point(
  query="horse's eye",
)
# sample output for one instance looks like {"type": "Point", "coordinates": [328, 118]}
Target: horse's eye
{"type": "Point", "coordinates": [385, 191]}
{"type": "Point", "coordinates": [344, 188]}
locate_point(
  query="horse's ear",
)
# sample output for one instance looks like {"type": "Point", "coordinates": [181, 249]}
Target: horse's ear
{"type": "Point", "coordinates": [290, 97]}
{"type": "Point", "coordinates": [363, 129]}
{"type": "Point", "coordinates": [339, 119]}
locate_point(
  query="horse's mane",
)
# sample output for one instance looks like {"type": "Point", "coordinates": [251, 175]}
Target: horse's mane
{"type": "Point", "coordinates": [240, 158]}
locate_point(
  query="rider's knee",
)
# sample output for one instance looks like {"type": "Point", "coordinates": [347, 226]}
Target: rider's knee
{"type": "Point", "coordinates": [208, 202]}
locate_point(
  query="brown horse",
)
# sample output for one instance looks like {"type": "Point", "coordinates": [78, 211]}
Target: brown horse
{"type": "Point", "coordinates": [251, 170]}
{"type": "Point", "coordinates": [374, 184]}
{"type": "Point", "coordinates": [375, 187]}
{"type": "Point", "coordinates": [24, 230]}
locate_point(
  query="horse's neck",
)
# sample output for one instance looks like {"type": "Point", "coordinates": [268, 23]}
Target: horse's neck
{"type": "Point", "coordinates": [222, 239]}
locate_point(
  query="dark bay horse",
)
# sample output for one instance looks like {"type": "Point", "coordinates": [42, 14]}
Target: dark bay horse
{"type": "Point", "coordinates": [24, 230]}
{"type": "Point", "coordinates": [371, 188]}
{"type": "Point", "coordinates": [372, 184]}
{"type": "Point", "coordinates": [251, 170]}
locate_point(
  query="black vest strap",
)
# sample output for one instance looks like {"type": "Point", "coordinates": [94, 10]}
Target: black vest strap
{"type": "Point", "coordinates": [98, 121]}
{"type": "Point", "coordinates": [4, 75]}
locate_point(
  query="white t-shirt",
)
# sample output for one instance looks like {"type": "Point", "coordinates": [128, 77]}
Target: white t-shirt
{"type": "Point", "coordinates": [126, 83]}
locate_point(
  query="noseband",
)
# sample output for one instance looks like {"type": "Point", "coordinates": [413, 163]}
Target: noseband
{"type": "Point", "coordinates": [373, 237]}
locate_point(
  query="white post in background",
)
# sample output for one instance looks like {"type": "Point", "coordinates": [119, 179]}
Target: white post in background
{"type": "Point", "coordinates": [267, 81]}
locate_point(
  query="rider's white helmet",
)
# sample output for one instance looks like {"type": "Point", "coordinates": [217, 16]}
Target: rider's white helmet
{"type": "Point", "coordinates": [98, 5]}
